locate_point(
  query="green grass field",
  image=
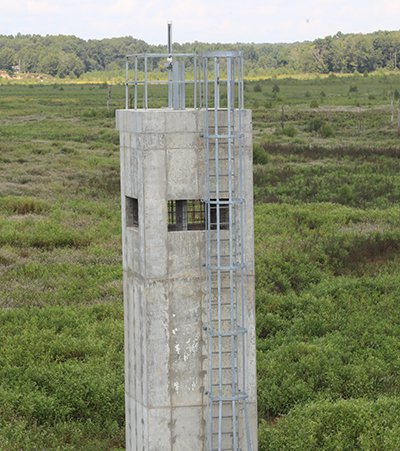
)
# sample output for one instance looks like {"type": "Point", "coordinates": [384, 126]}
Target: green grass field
{"type": "Point", "coordinates": [327, 214]}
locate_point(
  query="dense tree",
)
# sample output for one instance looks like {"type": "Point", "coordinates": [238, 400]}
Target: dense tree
{"type": "Point", "coordinates": [7, 58]}
{"type": "Point", "coordinates": [70, 56]}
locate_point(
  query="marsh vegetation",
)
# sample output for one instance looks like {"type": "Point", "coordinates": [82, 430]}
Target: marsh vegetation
{"type": "Point", "coordinates": [327, 243]}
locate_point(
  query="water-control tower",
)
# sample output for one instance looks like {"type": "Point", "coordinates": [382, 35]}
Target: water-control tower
{"type": "Point", "coordinates": [188, 255]}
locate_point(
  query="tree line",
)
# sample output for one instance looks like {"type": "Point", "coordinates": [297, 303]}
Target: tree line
{"type": "Point", "coordinates": [64, 56]}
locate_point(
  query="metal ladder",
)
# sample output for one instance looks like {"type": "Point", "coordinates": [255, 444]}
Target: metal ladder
{"type": "Point", "coordinates": [225, 258]}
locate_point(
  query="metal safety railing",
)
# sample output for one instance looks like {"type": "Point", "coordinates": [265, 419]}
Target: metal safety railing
{"type": "Point", "coordinates": [173, 64]}
{"type": "Point", "coordinates": [144, 71]}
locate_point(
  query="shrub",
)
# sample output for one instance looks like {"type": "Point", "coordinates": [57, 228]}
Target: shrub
{"type": "Point", "coordinates": [314, 104]}
{"type": "Point", "coordinates": [326, 131]}
{"type": "Point", "coordinates": [259, 155]}
{"type": "Point", "coordinates": [257, 87]}
{"type": "Point", "coordinates": [314, 124]}
{"type": "Point", "coordinates": [345, 425]}
{"type": "Point", "coordinates": [353, 89]}
{"type": "Point", "coordinates": [289, 130]}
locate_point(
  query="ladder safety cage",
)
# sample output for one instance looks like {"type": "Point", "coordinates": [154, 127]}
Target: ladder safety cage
{"type": "Point", "coordinates": [222, 101]}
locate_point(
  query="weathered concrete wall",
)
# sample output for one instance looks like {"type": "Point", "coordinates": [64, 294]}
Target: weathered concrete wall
{"type": "Point", "coordinates": [162, 158]}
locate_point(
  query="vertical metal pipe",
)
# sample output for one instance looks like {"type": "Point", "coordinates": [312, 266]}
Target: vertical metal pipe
{"type": "Point", "coordinates": [195, 82]}
{"type": "Point", "coordinates": [169, 65]}
{"type": "Point", "coordinates": [181, 85]}
{"type": "Point", "coordinates": [145, 82]}
{"type": "Point", "coordinates": [210, 428]}
{"type": "Point", "coordinates": [170, 39]}
{"type": "Point", "coordinates": [127, 83]}
{"type": "Point", "coordinates": [136, 83]}
{"type": "Point", "coordinates": [201, 83]}
{"type": "Point", "coordinates": [243, 250]}
{"type": "Point", "coordinates": [216, 84]}
{"type": "Point", "coordinates": [233, 325]}
{"type": "Point", "coordinates": [242, 79]}
{"type": "Point", "coordinates": [169, 88]}
{"type": "Point", "coordinates": [218, 263]}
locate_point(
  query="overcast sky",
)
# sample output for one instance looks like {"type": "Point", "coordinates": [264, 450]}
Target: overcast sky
{"type": "Point", "coordinates": [199, 20]}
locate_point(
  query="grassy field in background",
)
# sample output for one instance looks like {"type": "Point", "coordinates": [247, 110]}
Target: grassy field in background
{"type": "Point", "coordinates": [327, 242]}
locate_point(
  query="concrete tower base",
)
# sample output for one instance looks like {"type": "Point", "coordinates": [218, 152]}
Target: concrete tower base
{"type": "Point", "coordinates": [165, 286]}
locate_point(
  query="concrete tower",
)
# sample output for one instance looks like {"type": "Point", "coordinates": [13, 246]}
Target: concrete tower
{"type": "Point", "coordinates": [186, 189]}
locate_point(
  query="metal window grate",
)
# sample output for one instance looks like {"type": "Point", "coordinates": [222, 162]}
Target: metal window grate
{"type": "Point", "coordinates": [196, 215]}
{"type": "Point", "coordinates": [186, 215]}
{"type": "Point", "coordinates": [132, 212]}
{"type": "Point", "coordinates": [220, 222]}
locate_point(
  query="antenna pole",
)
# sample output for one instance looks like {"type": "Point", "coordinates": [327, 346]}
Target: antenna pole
{"type": "Point", "coordinates": [170, 40]}
{"type": "Point", "coordinates": [169, 64]}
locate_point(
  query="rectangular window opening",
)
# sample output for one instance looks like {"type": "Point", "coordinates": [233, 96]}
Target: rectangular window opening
{"type": "Point", "coordinates": [223, 215]}
{"type": "Point", "coordinates": [186, 215]}
{"type": "Point", "coordinates": [132, 212]}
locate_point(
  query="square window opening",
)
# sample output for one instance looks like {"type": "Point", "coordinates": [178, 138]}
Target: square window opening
{"type": "Point", "coordinates": [186, 215]}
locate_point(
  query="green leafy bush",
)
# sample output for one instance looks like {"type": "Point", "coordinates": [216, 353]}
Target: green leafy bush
{"type": "Point", "coordinates": [314, 124]}
{"type": "Point", "coordinates": [289, 130]}
{"type": "Point", "coordinates": [346, 425]}
{"type": "Point", "coordinates": [259, 155]}
{"type": "Point", "coordinates": [326, 131]}
{"type": "Point", "coordinates": [62, 377]}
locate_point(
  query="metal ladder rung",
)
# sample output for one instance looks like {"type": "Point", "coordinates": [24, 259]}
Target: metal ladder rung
{"type": "Point", "coordinates": [220, 159]}
{"type": "Point", "coordinates": [224, 417]}
{"type": "Point", "coordinates": [214, 240]}
{"type": "Point", "coordinates": [232, 333]}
